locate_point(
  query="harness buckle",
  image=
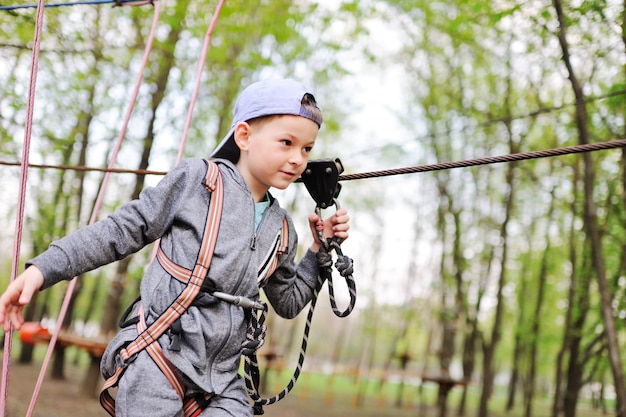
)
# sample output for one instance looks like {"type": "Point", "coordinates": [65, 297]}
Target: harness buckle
{"type": "Point", "coordinates": [120, 362]}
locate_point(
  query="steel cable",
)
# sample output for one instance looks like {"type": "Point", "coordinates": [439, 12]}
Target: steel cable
{"type": "Point", "coordinates": [618, 143]}
{"type": "Point", "coordinates": [612, 144]}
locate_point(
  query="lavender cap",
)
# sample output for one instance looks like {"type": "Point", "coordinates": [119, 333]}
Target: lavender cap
{"type": "Point", "coordinates": [264, 98]}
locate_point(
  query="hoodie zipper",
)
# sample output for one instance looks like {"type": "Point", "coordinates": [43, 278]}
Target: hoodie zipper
{"type": "Point", "coordinates": [242, 274]}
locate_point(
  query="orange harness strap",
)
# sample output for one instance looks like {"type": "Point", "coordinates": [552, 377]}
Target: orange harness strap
{"type": "Point", "coordinates": [192, 405]}
{"type": "Point", "coordinates": [267, 268]}
{"type": "Point", "coordinates": [149, 335]}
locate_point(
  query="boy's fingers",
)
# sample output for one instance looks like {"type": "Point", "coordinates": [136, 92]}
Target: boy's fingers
{"type": "Point", "coordinates": [17, 294]}
{"type": "Point", "coordinates": [13, 294]}
{"type": "Point", "coordinates": [27, 293]}
{"type": "Point", "coordinates": [12, 317]}
{"type": "Point", "coordinates": [16, 318]}
{"type": "Point", "coordinates": [341, 226]}
{"type": "Point", "coordinates": [342, 216]}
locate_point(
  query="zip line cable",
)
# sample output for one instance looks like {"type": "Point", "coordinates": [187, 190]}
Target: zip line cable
{"type": "Point", "coordinates": [88, 169]}
{"type": "Point", "coordinates": [568, 150]}
{"type": "Point", "coordinates": [534, 113]}
{"type": "Point", "coordinates": [612, 144]}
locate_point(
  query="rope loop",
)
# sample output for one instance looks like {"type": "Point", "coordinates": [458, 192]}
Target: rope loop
{"type": "Point", "coordinates": [345, 266]}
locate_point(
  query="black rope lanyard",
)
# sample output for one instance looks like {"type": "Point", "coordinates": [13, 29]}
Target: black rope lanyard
{"type": "Point", "coordinates": [257, 326]}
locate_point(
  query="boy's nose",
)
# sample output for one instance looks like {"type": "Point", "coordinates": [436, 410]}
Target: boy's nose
{"type": "Point", "coordinates": [296, 158]}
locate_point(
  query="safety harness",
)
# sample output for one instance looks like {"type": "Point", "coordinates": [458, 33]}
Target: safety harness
{"type": "Point", "coordinates": [196, 283]}
{"type": "Point", "coordinates": [148, 335]}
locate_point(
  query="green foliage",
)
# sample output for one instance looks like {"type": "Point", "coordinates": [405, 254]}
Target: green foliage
{"type": "Point", "coordinates": [479, 78]}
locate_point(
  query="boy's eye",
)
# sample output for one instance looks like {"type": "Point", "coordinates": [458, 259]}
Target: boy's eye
{"type": "Point", "coordinates": [308, 149]}
{"type": "Point", "coordinates": [286, 142]}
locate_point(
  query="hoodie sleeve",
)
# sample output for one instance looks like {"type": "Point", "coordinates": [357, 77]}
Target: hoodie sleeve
{"type": "Point", "coordinates": [126, 231]}
{"type": "Point", "coordinates": [292, 285]}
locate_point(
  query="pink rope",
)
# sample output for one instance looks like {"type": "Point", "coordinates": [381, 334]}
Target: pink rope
{"type": "Point", "coordinates": [96, 209]}
{"type": "Point", "coordinates": [105, 181]}
{"type": "Point", "coordinates": [28, 131]}
{"type": "Point", "coordinates": [194, 96]}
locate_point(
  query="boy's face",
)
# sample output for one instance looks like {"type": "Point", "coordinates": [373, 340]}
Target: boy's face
{"type": "Point", "coordinates": [274, 151]}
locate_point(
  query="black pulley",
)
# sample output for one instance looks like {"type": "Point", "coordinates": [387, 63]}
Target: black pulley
{"type": "Point", "coordinates": [321, 178]}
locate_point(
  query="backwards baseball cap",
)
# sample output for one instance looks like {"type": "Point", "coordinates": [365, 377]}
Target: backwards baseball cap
{"type": "Point", "coordinates": [264, 98]}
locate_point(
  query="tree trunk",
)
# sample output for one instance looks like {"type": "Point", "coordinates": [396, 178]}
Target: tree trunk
{"type": "Point", "coordinates": [489, 347]}
{"type": "Point", "coordinates": [468, 360]}
{"type": "Point", "coordinates": [591, 223]}
{"type": "Point", "coordinates": [558, 402]}
{"type": "Point", "coordinates": [575, 365]}
{"type": "Point", "coordinates": [161, 70]}
{"type": "Point", "coordinates": [520, 346]}
{"type": "Point", "coordinates": [472, 332]}
{"type": "Point", "coordinates": [371, 317]}
{"type": "Point", "coordinates": [536, 320]}
{"type": "Point", "coordinates": [517, 354]}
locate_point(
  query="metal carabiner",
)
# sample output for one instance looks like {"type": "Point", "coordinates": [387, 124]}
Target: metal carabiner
{"type": "Point", "coordinates": [319, 228]}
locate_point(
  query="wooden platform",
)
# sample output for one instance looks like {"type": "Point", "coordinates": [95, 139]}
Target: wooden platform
{"type": "Point", "coordinates": [34, 332]}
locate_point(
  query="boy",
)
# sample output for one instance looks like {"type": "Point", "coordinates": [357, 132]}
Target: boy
{"type": "Point", "coordinates": [274, 129]}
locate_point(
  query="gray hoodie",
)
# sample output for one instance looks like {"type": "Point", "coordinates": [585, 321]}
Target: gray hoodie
{"type": "Point", "coordinates": [175, 211]}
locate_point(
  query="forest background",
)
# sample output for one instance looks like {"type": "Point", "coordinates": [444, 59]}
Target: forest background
{"type": "Point", "coordinates": [510, 276]}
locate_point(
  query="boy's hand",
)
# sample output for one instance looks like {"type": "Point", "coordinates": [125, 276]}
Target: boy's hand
{"type": "Point", "coordinates": [17, 295]}
{"type": "Point", "coordinates": [335, 226]}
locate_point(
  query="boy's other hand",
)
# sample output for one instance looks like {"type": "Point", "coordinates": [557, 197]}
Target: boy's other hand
{"type": "Point", "coordinates": [17, 295]}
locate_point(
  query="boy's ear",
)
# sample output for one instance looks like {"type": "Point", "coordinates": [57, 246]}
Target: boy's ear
{"type": "Point", "coordinates": [242, 135]}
